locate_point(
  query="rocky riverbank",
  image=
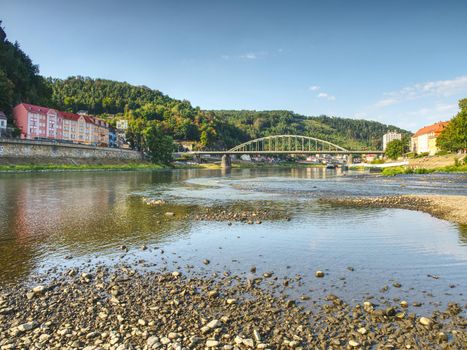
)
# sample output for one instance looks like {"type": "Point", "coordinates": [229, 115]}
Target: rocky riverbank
{"type": "Point", "coordinates": [122, 309]}
{"type": "Point", "coordinates": [452, 208]}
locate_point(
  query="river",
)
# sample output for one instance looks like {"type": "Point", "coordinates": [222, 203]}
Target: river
{"type": "Point", "coordinates": [53, 221]}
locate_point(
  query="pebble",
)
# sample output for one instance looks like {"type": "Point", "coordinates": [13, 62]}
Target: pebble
{"type": "Point", "coordinates": [319, 274]}
{"type": "Point", "coordinates": [210, 343]}
{"type": "Point", "coordinates": [426, 321]}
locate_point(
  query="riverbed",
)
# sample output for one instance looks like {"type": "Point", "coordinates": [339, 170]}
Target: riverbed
{"type": "Point", "coordinates": [55, 221]}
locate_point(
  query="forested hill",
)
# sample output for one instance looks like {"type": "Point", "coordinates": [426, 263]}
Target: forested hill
{"type": "Point", "coordinates": [346, 132]}
{"type": "Point", "coordinates": [19, 77]}
{"type": "Point", "coordinates": [148, 109]}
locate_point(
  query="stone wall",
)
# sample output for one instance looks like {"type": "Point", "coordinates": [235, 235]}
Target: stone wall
{"type": "Point", "coordinates": [21, 151]}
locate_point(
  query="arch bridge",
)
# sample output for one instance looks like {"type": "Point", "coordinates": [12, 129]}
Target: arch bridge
{"type": "Point", "coordinates": [286, 144]}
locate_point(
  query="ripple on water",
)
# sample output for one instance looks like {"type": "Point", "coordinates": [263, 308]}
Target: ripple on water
{"type": "Point", "coordinates": [89, 216]}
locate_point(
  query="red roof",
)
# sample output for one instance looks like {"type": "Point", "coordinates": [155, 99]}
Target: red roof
{"type": "Point", "coordinates": [435, 128]}
{"type": "Point", "coordinates": [35, 109]}
{"type": "Point", "coordinates": [70, 116]}
{"type": "Point", "coordinates": [65, 115]}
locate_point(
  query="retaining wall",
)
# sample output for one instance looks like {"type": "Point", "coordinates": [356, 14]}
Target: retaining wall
{"type": "Point", "coordinates": [24, 151]}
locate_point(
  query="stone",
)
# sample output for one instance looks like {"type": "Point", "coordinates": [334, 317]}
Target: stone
{"type": "Point", "coordinates": [214, 324]}
{"type": "Point", "coordinates": [39, 289]}
{"type": "Point", "coordinates": [319, 274]}
{"type": "Point", "coordinates": [426, 321]}
{"type": "Point", "coordinates": [210, 343]}
{"type": "Point", "coordinates": [362, 330]}
{"type": "Point", "coordinates": [354, 343]}
{"type": "Point", "coordinates": [231, 301]}
{"type": "Point", "coordinates": [44, 337]}
{"type": "Point", "coordinates": [165, 341]}
{"type": "Point", "coordinates": [27, 326]}
{"type": "Point", "coordinates": [404, 304]}
{"type": "Point", "coordinates": [151, 341]}
{"type": "Point", "coordinates": [249, 343]}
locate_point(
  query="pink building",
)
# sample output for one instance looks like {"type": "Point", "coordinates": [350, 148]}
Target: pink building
{"type": "Point", "coordinates": [42, 122]}
{"type": "Point", "coordinates": [35, 121]}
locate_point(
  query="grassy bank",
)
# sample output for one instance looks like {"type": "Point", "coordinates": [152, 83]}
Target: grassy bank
{"type": "Point", "coordinates": [248, 165]}
{"type": "Point", "coordinates": [392, 171]}
{"type": "Point", "coordinates": [78, 167]}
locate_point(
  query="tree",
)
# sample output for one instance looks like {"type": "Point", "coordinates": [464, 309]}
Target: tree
{"type": "Point", "coordinates": [157, 146]}
{"type": "Point", "coordinates": [395, 149]}
{"type": "Point", "coordinates": [453, 138]}
{"type": "Point", "coordinates": [19, 77]}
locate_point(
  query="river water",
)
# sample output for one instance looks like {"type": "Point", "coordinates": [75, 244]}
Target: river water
{"type": "Point", "coordinates": [53, 221]}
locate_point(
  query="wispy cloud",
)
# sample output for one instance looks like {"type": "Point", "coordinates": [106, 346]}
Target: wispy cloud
{"type": "Point", "coordinates": [249, 56]}
{"type": "Point", "coordinates": [253, 55]}
{"type": "Point", "coordinates": [386, 102]}
{"type": "Point", "coordinates": [326, 96]}
{"type": "Point", "coordinates": [434, 113]}
{"type": "Point", "coordinates": [314, 88]}
{"type": "Point", "coordinates": [438, 88]}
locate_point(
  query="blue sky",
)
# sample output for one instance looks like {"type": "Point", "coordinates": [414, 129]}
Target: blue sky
{"type": "Point", "coordinates": [398, 62]}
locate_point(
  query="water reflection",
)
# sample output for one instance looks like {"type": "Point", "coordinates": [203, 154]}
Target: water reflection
{"type": "Point", "coordinates": [47, 217]}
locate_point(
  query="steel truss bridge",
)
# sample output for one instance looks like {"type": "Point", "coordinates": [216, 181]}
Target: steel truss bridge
{"type": "Point", "coordinates": [286, 144]}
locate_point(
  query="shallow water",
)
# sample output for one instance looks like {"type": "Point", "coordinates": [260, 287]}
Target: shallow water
{"type": "Point", "coordinates": [47, 218]}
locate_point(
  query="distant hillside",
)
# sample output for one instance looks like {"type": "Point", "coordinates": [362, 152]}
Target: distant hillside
{"type": "Point", "coordinates": [346, 132]}
{"type": "Point", "coordinates": [144, 107]}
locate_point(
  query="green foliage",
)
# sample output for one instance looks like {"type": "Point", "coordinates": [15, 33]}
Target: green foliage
{"type": "Point", "coordinates": [377, 161]}
{"type": "Point", "coordinates": [157, 146]}
{"type": "Point", "coordinates": [400, 170]}
{"type": "Point", "coordinates": [79, 167]}
{"type": "Point", "coordinates": [453, 138]}
{"type": "Point", "coordinates": [208, 129]}
{"type": "Point", "coordinates": [348, 133]}
{"type": "Point", "coordinates": [396, 148]}
{"type": "Point", "coordinates": [19, 77]}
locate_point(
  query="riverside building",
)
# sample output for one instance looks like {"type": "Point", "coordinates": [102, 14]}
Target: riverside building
{"type": "Point", "coordinates": [36, 122]}
{"type": "Point", "coordinates": [424, 140]}
{"type": "Point", "coordinates": [390, 136]}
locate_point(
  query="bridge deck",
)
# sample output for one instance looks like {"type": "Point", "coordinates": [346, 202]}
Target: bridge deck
{"type": "Point", "coordinates": [279, 152]}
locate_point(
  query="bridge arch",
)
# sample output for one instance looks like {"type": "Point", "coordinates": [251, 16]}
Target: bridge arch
{"type": "Point", "coordinates": [292, 143]}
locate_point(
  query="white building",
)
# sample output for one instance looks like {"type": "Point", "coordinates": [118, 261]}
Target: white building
{"type": "Point", "coordinates": [3, 121]}
{"type": "Point", "coordinates": [122, 124]}
{"type": "Point", "coordinates": [390, 136]}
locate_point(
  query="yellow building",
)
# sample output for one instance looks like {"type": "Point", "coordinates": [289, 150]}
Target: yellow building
{"type": "Point", "coordinates": [424, 140]}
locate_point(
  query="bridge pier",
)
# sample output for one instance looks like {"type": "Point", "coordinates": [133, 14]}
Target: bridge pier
{"type": "Point", "coordinates": [226, 161]}
{"type": "Point", "coordinates": [349, 159]}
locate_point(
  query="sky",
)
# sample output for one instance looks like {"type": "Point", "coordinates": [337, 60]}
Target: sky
{"type": "Point", "coordinates": [401, 62]}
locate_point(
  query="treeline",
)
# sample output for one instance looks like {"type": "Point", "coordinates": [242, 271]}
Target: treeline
{"type": "Point", "coordinates": [19, 77]}
{"type": "Point", "coordinates": [141, 105]}
{"type": "Point", "coordinates": [453, 138]}
{"type": "Point", "coordinates": [346, 132]}
{"type": "Point", "coordinates": [150, 111]}
{"type": "Point", "coordinates": [209, 129]}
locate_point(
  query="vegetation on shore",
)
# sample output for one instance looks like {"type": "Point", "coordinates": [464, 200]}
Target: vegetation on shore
{"type": "Point", "coordinates": [453, 138]}
{"type": "Point", "coordinates": [400, 170]}
{"type": "Point", "coordinates": [246, 165]}
{"type": "Point", "coordinates": [70, 167]}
